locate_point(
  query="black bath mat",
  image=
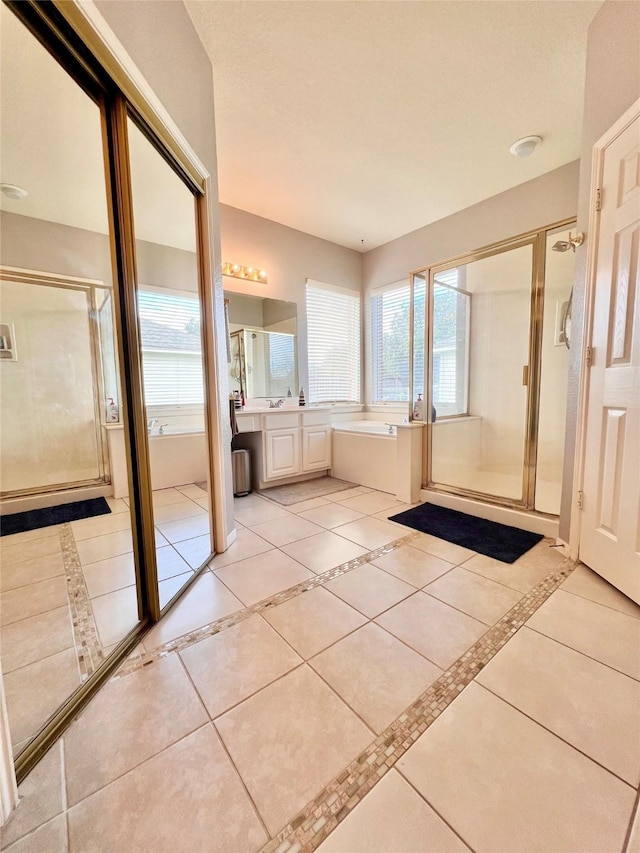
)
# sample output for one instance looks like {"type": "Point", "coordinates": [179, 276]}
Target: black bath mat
{"type": "Point", "coordinates": [495, 540]}
{"type": "Point", "coordinates": [20, 522]}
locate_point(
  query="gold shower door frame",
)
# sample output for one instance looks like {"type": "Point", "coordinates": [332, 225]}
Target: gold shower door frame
{"type": "Point", "coordinates": [537, 240]}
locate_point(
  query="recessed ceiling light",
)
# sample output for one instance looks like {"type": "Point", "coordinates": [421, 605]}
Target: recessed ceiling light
{"type": "Point", "coordinates": [13, 191]}
{"type": "Point", "coordinates": [526, 146]}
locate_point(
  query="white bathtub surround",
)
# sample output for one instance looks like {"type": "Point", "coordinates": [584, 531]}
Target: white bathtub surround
{"type": "Point", "coordinates": [409, 444]}
{"type": "Point", "coordinates": [176, 459]}
{"type": "Point", "coordinates": [382, 456]}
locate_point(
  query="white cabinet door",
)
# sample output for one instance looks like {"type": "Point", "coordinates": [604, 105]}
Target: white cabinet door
{"type": "Point", "coordinates": [316, 448]}
{"type": "Point", "coordinates": [282, 452]}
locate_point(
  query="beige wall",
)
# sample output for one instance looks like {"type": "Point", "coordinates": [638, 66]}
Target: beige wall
{"type": "Point", "coordinates": [612, 85]}
{"type": "Point", "coordinates": [534, 204]}
{"type": "Point", "coordinates": [290, 257]}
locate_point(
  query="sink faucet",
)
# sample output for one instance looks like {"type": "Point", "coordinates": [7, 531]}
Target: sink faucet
{"type": "Point", "coordinates": [277, 405]}
{"type": "Point", "coordinates": [150, 424]}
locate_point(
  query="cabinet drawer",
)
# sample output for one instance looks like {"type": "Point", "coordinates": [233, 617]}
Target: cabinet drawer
{"type": "Point", "coordinates": [315, 418]}
{"type": "Point", "coordinates": [248, 423]}
{"type": "Point", "coordinates": [281, 421]}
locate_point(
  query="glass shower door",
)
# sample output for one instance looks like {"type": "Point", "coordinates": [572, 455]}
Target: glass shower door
{"type": "Point", "coordinates": [48, 420]}
{"type": "Point", "coordinates": [479, 355]}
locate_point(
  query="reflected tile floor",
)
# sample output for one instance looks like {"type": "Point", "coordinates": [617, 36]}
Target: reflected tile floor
{"type": "Point", "coordinates": [386, 704]}
{"type": "Point", "coordinates": [67, 596]}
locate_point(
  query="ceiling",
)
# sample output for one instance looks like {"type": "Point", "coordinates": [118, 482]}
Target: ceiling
{"type": "Point", "coordinates": [361, 121]}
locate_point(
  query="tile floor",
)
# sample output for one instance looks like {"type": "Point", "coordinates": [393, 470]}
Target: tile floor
{"type": "Point", "coordinates": [229, 742]}
{"type": "Point", "coordinates": [42, 638]}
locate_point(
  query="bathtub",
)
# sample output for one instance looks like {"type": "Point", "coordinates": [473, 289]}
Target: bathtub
{"type": "Point", "coordinates": [365, 453]}
{"type": "Point", "coordinates": [176, 458]}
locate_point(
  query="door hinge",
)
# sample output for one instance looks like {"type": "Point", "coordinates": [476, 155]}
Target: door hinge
{"type": "Point", "coordinates": [598, 199]}
{"type": "Point", "coordinates": [580, 500]}
{"type": "Point", "coordinates": [588, 356]}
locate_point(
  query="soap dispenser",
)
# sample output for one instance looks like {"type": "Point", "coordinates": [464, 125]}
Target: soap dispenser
{"type": "Point", "coordinates": [301, 398]}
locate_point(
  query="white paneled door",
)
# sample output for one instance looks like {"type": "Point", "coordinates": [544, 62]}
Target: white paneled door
{"type": "Point", "coordinates": [609, 537]}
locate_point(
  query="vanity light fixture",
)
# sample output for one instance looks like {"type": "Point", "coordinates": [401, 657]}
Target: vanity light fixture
{"type": "Point", "coordinates": [248, 273]}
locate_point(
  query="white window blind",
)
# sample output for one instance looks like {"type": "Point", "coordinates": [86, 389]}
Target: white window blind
{"type": "Point", "coordinates": [389, 324]}
{"type": "Point", "coordinates": [171, 348]}
{"type": "Point", "coordinates": [333, 335]}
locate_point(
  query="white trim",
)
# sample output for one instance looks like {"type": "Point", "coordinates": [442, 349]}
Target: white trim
{"type": "Point", "coordinates": [597, 163]}
{"type": "Point", "coordinates": [8, 785]}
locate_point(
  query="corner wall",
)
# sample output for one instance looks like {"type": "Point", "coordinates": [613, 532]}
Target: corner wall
{"type": "Point", "coordinates": [534, 204]}
{"type": "Point", "coordinates": [290, 257]}
{"type": "Point", "coordinates": [612, 85]}
{"type": "Point", "coordinates": [552, 197]}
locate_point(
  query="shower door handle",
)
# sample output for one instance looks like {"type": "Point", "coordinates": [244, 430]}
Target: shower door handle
{"type": "Point", "coordinates": [525, 374]}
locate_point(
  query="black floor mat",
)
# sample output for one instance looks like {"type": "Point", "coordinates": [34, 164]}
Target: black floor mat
{"type": "Point", "coordinates": [495, 540]}
{"type": "Point", "coordinates": [20, 522]}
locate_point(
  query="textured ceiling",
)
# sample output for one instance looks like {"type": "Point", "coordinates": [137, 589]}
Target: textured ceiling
{"type": "Point", "coordinates": [362, 121]}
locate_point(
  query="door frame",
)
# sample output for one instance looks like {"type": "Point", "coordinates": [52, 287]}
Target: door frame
{"type": "Point", "coordinates": [592, 236]}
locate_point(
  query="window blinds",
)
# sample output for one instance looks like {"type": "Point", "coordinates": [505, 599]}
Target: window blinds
{"type": "Point", "coordinates": [171, 348]}
{"type": "Point", "coordinates": [390, 344]}
{"type": "Point", "coordinates": [333, 337]}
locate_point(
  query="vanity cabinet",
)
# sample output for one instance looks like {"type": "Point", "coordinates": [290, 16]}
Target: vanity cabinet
{"type": "Point", "coordinates": [282, 453]}
{"type": "Point", "coordinates": [285, 444]}
{"type": "Point", "coordinates": [316, 448]}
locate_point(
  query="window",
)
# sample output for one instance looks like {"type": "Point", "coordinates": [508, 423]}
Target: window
{"type": "Point", "coordinates": [451, 311]}
{"type": "Point", "coordinates": [171, 348]}
{"type": "Point", "coordinates": [389, 320]}
{"type": "Point", "coordinates": [333, 335]}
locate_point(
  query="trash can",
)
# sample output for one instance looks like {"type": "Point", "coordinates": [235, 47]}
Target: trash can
{"type": "Point", "coordinates": [241, 465]}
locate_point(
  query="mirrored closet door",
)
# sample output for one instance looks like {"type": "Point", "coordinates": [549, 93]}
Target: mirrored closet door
{"type": "Point", "coordinates": [68, 579]}
{"type": "Point", "coordinates": [105, 509]}
{"type": "Point", "coordinates": [170, 321]}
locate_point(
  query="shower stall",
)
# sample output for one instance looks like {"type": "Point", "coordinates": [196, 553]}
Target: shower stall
{"type": "Point", "coordinates": [490, 336]}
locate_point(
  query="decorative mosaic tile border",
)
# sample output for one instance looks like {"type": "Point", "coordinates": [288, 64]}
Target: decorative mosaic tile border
{"type": "Point", "coordinates": [88, 647]}
{"type": "Point", "coordinates": [320, 817]}
{"type": "Point", "coordinates": [180, 643]}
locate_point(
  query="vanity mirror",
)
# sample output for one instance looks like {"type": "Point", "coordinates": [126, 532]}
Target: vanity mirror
{"type": "Point", "coordinates": [264, 359]}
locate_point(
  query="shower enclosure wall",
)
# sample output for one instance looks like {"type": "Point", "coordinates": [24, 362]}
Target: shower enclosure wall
{"type": "Point", "coordinates": [488, 333]}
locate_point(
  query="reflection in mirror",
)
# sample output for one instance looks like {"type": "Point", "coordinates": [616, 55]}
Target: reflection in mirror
{"type": "Point", "coordinates": [172, 362]}
{"type": "Point", "coordinates": [418, 405]}
{"type": "Point", "coordinates": [480, 344]}
{"type": "Point", "coordinates": [68, 591]}
{"type": "Point", "coordinates": [559, 270]}
{"type": "Point", "coordinates": [264, 360]}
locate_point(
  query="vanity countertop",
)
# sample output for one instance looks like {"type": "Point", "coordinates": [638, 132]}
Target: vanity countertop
{"type": "Point", "coordinates": [265, 410]}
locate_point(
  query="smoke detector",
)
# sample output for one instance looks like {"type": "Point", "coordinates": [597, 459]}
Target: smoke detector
{"type": "Point", "coordinates": [13, 191]}
{"type": "Point", "coordinates": [526, 146]}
